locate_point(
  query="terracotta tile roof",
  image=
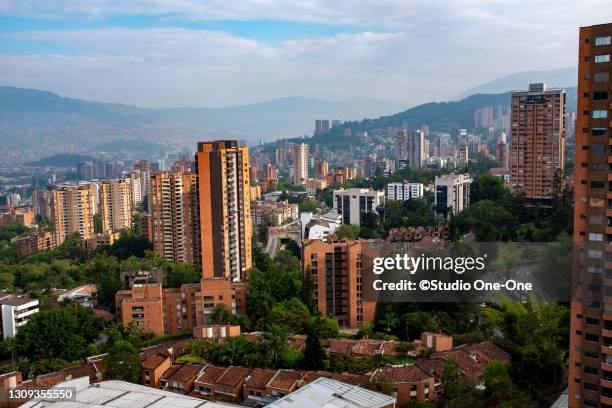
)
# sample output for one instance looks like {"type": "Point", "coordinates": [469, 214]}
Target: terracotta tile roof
{"type": "Point", "coordinates": [259, 378]}
{"type": "Point", "coordinates": [489, 349]}
{"type": "Point", "coordinates": [153, 362]}
{"type": "Point", "coordinates": [253, 337]}
{"type": "Point", "coordinates": [470, 365]}
{"type": "Point", "coordinates": [434, 366]}
{"type": "Point", "coordinates": [408, 373]}
{"type": "Point", "coordinates": [211, 374]}
{"type": "Point", "coordinates": [285, 380]}
{"type": "Point", "coordinates": [366, 347]}
{"type": "Point", "coordinates": [310, 376]}
{"type": "Point", "coordinates": [341, 346]}
{"type": "Point", "coordinates": [348, 378]}
{"type": "Point", "coordinates": [388, 348]}
{"type": "Point", "coordinates": [183, 373]}
{"type": "Point", "coordinates": [233, 376]}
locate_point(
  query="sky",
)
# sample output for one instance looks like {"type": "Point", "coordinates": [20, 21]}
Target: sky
{"type": "Point", "coordinates": [174, 53]}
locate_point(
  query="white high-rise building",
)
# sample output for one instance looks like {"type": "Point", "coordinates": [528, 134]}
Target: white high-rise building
{"type": "Point", "coordinates": [402, 191]}
{"type": "Point", "coordinates": [354, 203]}
{"type": "Point", "coordinates": [300, 163]}
{"type": "Point", "coordinates": [452, 193]}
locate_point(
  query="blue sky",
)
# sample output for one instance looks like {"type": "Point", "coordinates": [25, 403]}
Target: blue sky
{"type": "Point", "coordinates": [162, 53]}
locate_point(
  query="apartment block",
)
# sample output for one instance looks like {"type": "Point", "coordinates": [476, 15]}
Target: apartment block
{"type": "Point", "coordinates": [273, 212]}
{"type": "Point", "coordinates": [337, 269]}
{"type": "Point", "coordinates": [35, 242]}
{"type": "Point", "coordinates": [354, 203]}
{"type": "Point", "coordinates": [452, 193]}
{"type": "Point", "coordinates": [590, 361]}
{"type": "Point", "coordinates": [538, 139]}
{"type": "Point", "coordinates": [300, 163]}
{"type": "Point", "coordinates": [321, 169]}
{"type": "Point", "coordinates": [116, 204]}
{"type": "Point", "coordinates": [174, 222]}
{"type": "Point", "coordinates": [16, 309]}
{"type": "Point", "coordinates": [73, 211]}
{"type": "Point", "coordinates": [224, 209]}
{"type": "Point", "coordinates": [42, 203]}
{"type": "Point", "coordinates": [403, 191]}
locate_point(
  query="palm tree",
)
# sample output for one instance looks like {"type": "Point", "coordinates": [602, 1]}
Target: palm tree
{"type": "Point", "coordinates": [276, 340]}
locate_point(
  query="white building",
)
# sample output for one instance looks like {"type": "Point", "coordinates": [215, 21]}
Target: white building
{"type": "Point", "coordinates": [452, 193]}
{"type": "Point", "coordinates": [354, 203]}
{"type": "Point", "coordinates": [300, 163]}
{"type": "Point", "coordinates": [402, 191]}
{"type": "Point", "coordinates": [319, 226]}
{"type": "Point", "coordinates": [16, 310]}
{"type": "Point", "coordinates": [326, 392]}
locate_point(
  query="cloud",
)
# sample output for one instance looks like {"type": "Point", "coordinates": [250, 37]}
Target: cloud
{"type": "Point", "coordinates": [412, 51]}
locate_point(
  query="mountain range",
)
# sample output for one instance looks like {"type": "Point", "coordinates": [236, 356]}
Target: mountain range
{"type": "Point", "coordinates": [44, 123]}
{"type": "Point", "coordinates": [560, 78]}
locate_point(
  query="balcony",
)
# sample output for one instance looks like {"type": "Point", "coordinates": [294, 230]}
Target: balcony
{"type": "Point", "coordinates": [606, 383]}
{"type": "Point", "coordinates": [605, 400]}
{"type": "Point", "coordinates": [606, 366]}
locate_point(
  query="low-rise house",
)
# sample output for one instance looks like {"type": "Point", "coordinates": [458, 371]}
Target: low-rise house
{"type": "Point", "coordinates": [255, 385]}
{"type": "Point", "coordinates": [228, 386]}
{"type": "Point", "coordinates": [153, 367]}
{"type": "Point", "coordinates": [204, 385]}
{"type": "Point", "coordinates": [216, 332]}
{"type": "Point", "coordinates": [406, 382]}
{"type": "Point", "coordinates": [180, 378]}
{"type": "Point", "coordinates": [283, 383]}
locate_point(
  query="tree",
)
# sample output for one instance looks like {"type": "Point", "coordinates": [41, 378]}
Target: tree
{"type": "Point", "coordinates": [182, 273]}
{"type": "Point", "coordinates": [451, 378]}
{"type": "Point", "coordinates": [123, 362]}
{"type": "Point", "coordinates": [307, 293]}
{"type": "Point", "coordinates": [62, 333]}
{"type": "Point", "coordinates": [275, 339]}
{"type": "Point", "coordinates": [314, 355]}
{"type": "Point", "coordinates": [348, 231]}
{"type": "Point", "coordinates": [221, 315]}
{"type": "Point", "coordinates": [326, 327]}
{"type": "Point", "coordinates": [308, 205]}
{"type": "Point", "coordinates": [292, 315]}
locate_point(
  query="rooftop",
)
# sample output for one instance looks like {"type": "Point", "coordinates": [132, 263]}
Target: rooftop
{"type": "Point", "coordinates": [325, 392]}
{"type": "Point", "coordinates": [122, 394]}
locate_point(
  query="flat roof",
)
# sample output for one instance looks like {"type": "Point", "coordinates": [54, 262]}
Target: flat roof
{"type": "Point", "coordinates": [326, 392]}
{"type": "Point", "coordinates": [123, 394]}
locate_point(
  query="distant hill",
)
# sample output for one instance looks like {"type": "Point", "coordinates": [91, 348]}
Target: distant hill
{"type": "Point", "coordinates": [562, 78]}
{"type": "Point", "coordinates": [61, 160]}
{"type": "Point", "coordinates": [440, 116]}
{"type": "Point", "coordinates": [44, 123]}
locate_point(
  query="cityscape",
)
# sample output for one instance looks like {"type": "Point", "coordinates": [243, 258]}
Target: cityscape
{"type": "Point", "coordinates": [153, 254]}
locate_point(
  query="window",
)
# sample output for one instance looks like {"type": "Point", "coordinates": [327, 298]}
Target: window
{"type": "Point", "coordinates": [591, 320]}
{"type": "Point", "coordinates": [600, 114]}
{"type": "Point", "coordinates": [601, 77]}
{"type": "Point", "coordinates": [598, 149]}
{"type": "Point", "coordinates": [602, 40]}
{"type": "Point", "coordinates": [590, 337]}
{"type": "Point", "coordinates": [601, 95]}
{"type": "Point", "coordinates": [600, 131]}
{"type": "Point", "coordinates": [597, 184]}
{"type": "Point", "coordinates": [590, 370]}
{"type": "Point", "coordinates": [602, 58]}
{"type": "Point", "coordinates": [595, 237]}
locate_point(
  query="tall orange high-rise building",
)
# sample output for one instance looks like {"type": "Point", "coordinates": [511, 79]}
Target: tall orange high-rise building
{"type": "Point", "coordinates": [538, 139]}
{"type": "Point", "coordinates": [590, 363]}
{"type": "Point", "coordinates": [222, 168]}
{"type": "Point", "coordinates": [337, 271]}
{"type": "Point", "coordinates": [174, 224]}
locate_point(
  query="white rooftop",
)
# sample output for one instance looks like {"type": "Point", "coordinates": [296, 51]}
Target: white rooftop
{"type": "Point", "coordinates": [328, 393]}
{"type": "Point", "coordinates": [122, 394]}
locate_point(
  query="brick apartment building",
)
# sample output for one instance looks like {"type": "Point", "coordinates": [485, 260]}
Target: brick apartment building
{"type": "Point", "coordinates": [538, 139]}
{"type": "Point", "coordinates": [336, 268]}
{"type": "Point", "coordinates": [590, 363]}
